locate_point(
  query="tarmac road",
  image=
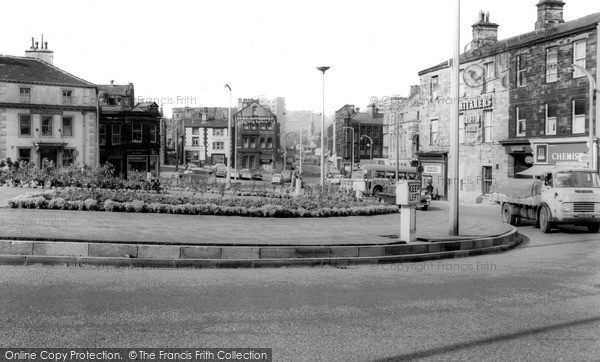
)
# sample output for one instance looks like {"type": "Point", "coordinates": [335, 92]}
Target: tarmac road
{"type": "Point", "coordinates": [537, 302]}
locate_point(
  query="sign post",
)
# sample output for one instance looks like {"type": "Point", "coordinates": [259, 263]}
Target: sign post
{"type": "Point", "coordinates": [408, 195]}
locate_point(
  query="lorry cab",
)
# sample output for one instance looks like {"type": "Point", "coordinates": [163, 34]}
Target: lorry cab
{"type": "Point", "coordinates": [570, 196]}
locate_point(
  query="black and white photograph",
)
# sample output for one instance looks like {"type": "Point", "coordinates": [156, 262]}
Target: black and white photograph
{"type": "Point", "coordinates": [300, 180]}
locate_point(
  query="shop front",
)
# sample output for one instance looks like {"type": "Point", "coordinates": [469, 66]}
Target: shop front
{"type": "Point", "coordinates": [551, 153]}
{"type": "Point", "coordinates": [435, 168]}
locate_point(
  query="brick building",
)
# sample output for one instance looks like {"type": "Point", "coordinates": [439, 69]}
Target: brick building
{"type": "Point", "coordinates": [129, 135]}
{"type": "Point", "coordinates": [207, 138]}
{"type": "Point", "coordinates": [520, 103]}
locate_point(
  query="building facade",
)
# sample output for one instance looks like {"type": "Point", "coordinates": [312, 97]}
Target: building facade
{"type": "Point", "coordinates": [45, 112]}
{"type": "Point", "coordinates": [207, 138]}
{"type": "Point", "coordinates": [256, 135]}
{"type": "Point", "coordinates": [520, 103]}
{"type": "Point", "coordinates": [129, 135]}
{"type": "Point", "coordinates": [357, 133]}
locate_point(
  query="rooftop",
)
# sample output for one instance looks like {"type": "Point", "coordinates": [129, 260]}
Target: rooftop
{"type": "Point", "coordinates": [34, 71]}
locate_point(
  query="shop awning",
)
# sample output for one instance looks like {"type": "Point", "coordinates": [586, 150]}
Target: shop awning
{"type": "Point", "coordinates": [536, 170]}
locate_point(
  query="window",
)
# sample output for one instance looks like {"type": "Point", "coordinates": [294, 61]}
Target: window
{"type": "Point", "coordinates": [67, 126]}
{"type": "Point", "coordinates": [270, 126]}
{"type": "Point", "coordinates": [579, 57]}
{"type": "Point", "coordinates": [434, 86]}
{"type": "Point", "coordinates": [541, 152]}
{"type": "Point", "coordinates": [461, 128]}
{"type": "Point", "coordinates": [195, 130]}
{"type": "Point", "coordinates": [578, 116]}
{"type": "Point", "coordinates": [254, 109]}
{"type": "Point", "coordinates": [153, 133]}
{"type": "Point", "coordinates": [195, 156]}
{"type": "Point", "coordinates": [68, 156]}
{"type": "Point", "coordinates": [218, 132]}
{"type": "Point", "coordinates": [47, 126]}
{"type": "Point", "coordinates": [218, 145]}
{"type": "Point", "coordinates": [488, 76]}
{"type": "Point", "coordinates": [263, 143]}
{"type": "Point", "coordinates": [269, 142]}
{"type": "Point", "coordinates": [263, 126]}
{"type": "Point", "coordinates": [24, 155]}
{"type": "Point", "coordinates": [488, 126]}
{"type": "Point", "coordinates": [551, 65]}
{"type": "Point", "coordinates": [136, 132]}
{"type": "Point", "coordinates": [25, 95]}
{"type": "Point", "coordinates": [195, 141]}
{"type": "Point", "coordinates": [520, 70]}
{"type": "Point", "coordinates": [433, 132]}
{"type": "Point", "coordinates": [102, 134]}
{"type": "Point", "coordinates": [24, 125]}
{"type": "Point", "coordinates": [246, 143]}
{"type": "Point", "coordinates": [116, 134]}
{"type": "Point", "coordinates": [67, 96]}
{"type": "Point", "coordinates": [252, 142]}
{"type": "Point", "coordinates": [521, 122]}
{"type": "Point", "coordinates": [550, 119]}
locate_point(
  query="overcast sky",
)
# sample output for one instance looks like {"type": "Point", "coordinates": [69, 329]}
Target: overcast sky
{"type": "Point", "coordinates": [183, 52]}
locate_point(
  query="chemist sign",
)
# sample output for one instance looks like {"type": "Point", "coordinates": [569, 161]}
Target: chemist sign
{"type": "Point", "coordinates": [561, 153]}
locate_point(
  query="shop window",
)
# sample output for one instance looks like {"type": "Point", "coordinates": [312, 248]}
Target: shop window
{"type": "Point", "coordinates": [24, 155]}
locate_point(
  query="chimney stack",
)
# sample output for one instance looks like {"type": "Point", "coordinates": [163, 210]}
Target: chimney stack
{"type": "Point", "coordinates": [550, 12]}
{"type": "Point", "coordinates": [484, 32]}
{"type": "Point", "coordinates": [40, 51]}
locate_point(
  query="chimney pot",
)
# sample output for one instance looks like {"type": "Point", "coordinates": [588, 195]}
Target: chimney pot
{"type": "Point", "coordinates": [550, 12]}
{"type": "Point", "coordinates": [36, 44]}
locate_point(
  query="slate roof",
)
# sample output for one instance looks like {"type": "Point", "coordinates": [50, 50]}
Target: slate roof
{"type": "Point", "coordinates": [205, 124]}
{"type": "Point", "coordinates": [115, 89]}
{"type": "Point", "coordinates": [34, 71]}
{"type": "Point", "coordinates": [526, 39]}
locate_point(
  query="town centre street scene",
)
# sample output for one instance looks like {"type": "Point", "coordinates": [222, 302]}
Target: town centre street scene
{"type": "Point", "coordinates": [300, 181]}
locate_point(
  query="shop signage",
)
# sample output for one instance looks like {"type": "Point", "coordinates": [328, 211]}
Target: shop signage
{"type": "Point", "coordinates": [472, 127]}
{"type": "Point", "coordinates": [561, 153]}
{"type": "Point", "coordinates": [429, 169]}
{"type": "Point", "coordinates": [46, 111]}
{"type": "Point", "coordinates": [475, 103]}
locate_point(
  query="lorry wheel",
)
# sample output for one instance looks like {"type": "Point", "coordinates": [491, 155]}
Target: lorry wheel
{"type": "Point", "coordinates": [508, 217]}
{"type": "Point", "coordinates": [425, 207]}
{"type": "Point", "coordinates": [593, 228]}
{"type": "Point", "coordinates": [543, 217]}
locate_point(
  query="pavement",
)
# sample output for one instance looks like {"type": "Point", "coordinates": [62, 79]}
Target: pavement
{"type": "Point", "coordinates": [258, 235]}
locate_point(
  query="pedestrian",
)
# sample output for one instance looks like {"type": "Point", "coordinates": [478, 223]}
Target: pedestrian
{"type": "Point", "coordinates": [429, 188]}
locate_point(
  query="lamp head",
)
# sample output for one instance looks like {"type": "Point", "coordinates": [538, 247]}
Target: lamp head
{"type": "Point", "coordinates": [323, 69]}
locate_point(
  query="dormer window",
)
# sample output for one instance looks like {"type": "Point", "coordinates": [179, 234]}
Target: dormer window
{"type": "Point", "coordinates": [114, 101]}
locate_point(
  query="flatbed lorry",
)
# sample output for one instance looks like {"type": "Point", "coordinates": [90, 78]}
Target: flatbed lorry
{"type": "Point", "coordinates": [559, 196]}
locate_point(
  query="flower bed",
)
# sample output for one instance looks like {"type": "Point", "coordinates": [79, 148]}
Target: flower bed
{"type": "Point", "coordinates": [313, 205]}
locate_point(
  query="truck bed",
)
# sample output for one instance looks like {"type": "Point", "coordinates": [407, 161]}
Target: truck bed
{"type": "Point", "coordinates": [518, 191]}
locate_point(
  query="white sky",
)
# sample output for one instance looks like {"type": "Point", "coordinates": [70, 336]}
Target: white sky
{"type": "Point", "coordinates": [177, 49]}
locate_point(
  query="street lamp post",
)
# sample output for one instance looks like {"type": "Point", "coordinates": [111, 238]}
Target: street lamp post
{"type": "Point", "coordinates": [352, 158]}
{"type": "Point", "coordinates": [592, 164]}
{"type": "Point", "coordinates": [323, 70]}
{"type": "Point", "coordinates": [370, 146]}
{"type": "Point", "coordinates": [229, 134]}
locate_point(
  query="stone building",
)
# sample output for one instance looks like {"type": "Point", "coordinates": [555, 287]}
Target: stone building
{"type": "Point", "coordinates": [129, 135]}
{"type": "Point", "coordinates": [256, 134]}
{"type": "Point", "coordinates": [45, 112]}
{"type": "Point", "coordinates": [520, 103]}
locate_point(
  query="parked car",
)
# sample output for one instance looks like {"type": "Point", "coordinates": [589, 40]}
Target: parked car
{"type": "Point", "coordinates": [197, 170]}
{"type": "Point", "coordinates": [257, 175]}
{"type": "Point", "coordinates": [337, 179]}
{"type": "Point", "coordinates": [246, 174]}
{"type": "Point", "coordinates": [234, 174]}
{"type": "Point", "coordinates": [388, 196]}
{"type": "Point", "coordinates": [221, 172]}
{"type": "Point", "coordinates": [277, 179]}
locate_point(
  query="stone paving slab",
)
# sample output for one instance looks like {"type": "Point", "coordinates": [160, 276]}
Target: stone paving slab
{"type": "Point", "coordinates": [475, 221]}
